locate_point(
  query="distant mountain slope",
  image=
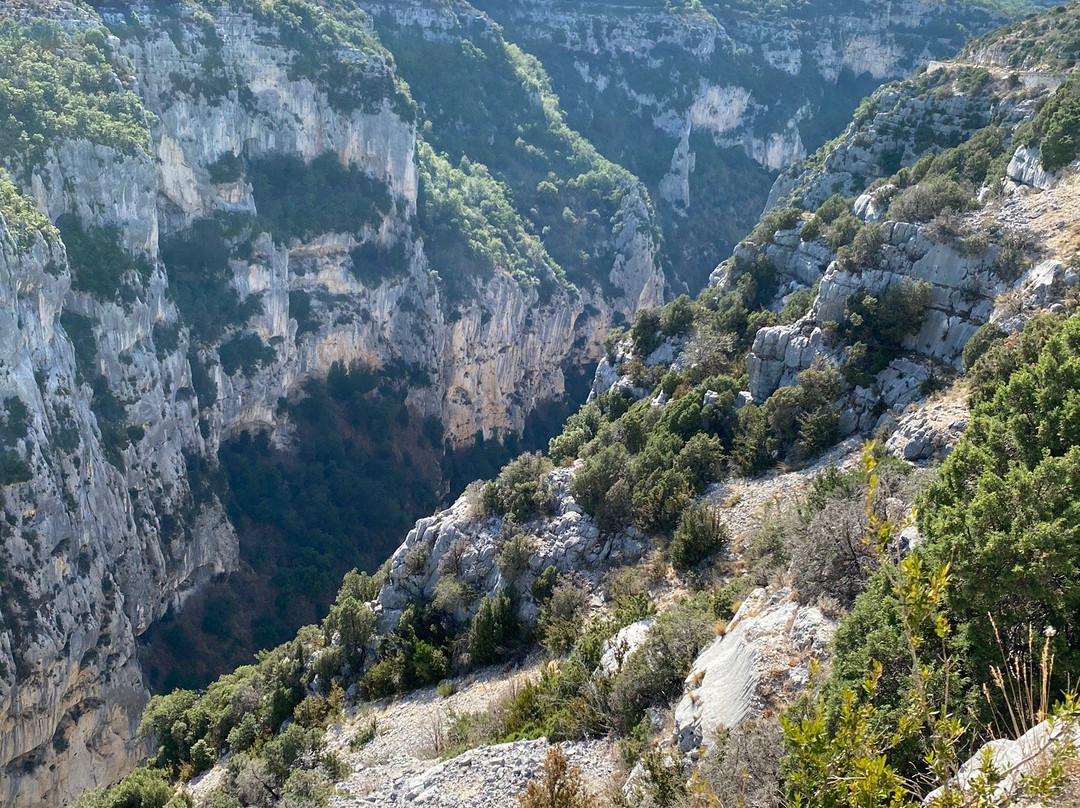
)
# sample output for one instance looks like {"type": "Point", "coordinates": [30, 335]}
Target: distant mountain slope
{"type": "Point", "coordinates": [707, 101]}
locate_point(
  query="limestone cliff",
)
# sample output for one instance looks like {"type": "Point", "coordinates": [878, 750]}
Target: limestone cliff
{"type": "Point", "coordinates": [707, 101]}
{"type": "Point", "coordinates": [117, 392]}
{"type": "Point", "coordinates": [95, 546]}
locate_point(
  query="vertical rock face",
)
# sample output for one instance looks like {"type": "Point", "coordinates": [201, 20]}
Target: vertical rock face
{"type": "Point", "coordinates": [718, 98]}
{"type": "Point", "coordinates": [109, 511]}
{"type": "Point", "coordinates": [88, 557]}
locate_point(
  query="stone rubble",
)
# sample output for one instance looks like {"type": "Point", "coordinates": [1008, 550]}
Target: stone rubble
{"type": "Point", "coordinates": [401, 767]}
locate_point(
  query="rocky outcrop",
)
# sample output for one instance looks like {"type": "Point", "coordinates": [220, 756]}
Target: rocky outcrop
{"type": "Point", "coordinates": [933, 110]}
{"type": "Point", "coordinates": [762, 660]}
{"type": "Point", "coordinates": [929, 432]}
{"type": "Point", "coordinates": [1025, 168]}
{"type": "Point", "coordinates": [616, 650]}
{"type": "Point", "coordinates": [962, 287]}
{"type": "Point", "coordinates": [1043, 287]}
{"type": "Point", "coordinates": [465, 541]}
{"type": "Point", "coordinates": [488, 776]}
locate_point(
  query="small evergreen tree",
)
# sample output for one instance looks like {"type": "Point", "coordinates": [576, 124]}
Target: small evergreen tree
{"type": "Point", "coordinates": [492, 629]}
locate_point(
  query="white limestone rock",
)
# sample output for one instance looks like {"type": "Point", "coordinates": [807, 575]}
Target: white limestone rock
{"type": "Point", "coordinates": [1025, 168]}
{"type": "Point", "coordinates": [762, 660]}
{"type": "Point", "coordinates": [618, 649]}
{"type": "Point", "coordinates": [1010, 761]}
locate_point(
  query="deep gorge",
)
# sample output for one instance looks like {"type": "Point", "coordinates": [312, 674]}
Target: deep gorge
{"type": "Point", "coordinates": [280, 279]}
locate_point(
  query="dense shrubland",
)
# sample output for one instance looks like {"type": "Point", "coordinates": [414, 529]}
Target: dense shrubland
{"type": "Point", "coordinates": [298, 200]}
{"type": "Point", "coordinates": [953, 635]}
{"type": "Point", "coordinates": [64, 84]}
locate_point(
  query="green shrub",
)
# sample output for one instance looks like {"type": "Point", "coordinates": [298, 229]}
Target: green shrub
{"type": "Point", "coordinates": [203, 756]}
{"type": "Point", "coordinates": [98, 263]}
{"type": "Point", "coordinates": [493, 629]}
{"type": "Point", "coordinates": [1057, 126]}
{"type": "Point", "coordinates": [243, 736]}
{"type": "Point", "coordinates": [700, 534]}
{"type": "Point", "coordinates": [797, 304]}
{"type": "Point", "coordinates": [471, 229]}
{"type": "Point", "coordinates": [228, 167]}
{"type": "Point", "coordinates": [143, 788]}
{"type": "Point", "coordinates": [677, 316]}
{"type": "Point", "coordinates": [881, 323]}
{"type": "Point", "coordinates": [451, 594]}
{"type": "Point", "coordinates": [865, 249]}
{"type": "Point", "coordinates": [773, 221]}
{"type": "Point", "coordinates": [544, 585]}
{"type": "Point", "coordinates": [980, 342]}
{"type": "Point", "coordinates": [645, 333]}
{"type": "Point", "coordinates": [593, 483]}
{"type": "Point", "coordinates": [926, 200]}
{"type": "Point", "coordinates": [659, 495]}
{"type": "Point", "coordinates": [374, 263]}
{"type": "Point", "coordinates": [1007, 494]}
{"type": "Point", "coordinates": [561, 616]}
{"type": "Point", "coordinates": [827, 213]}
{"type": "Point", "coordinates": [1000, 524]}
{"type": "Point", "coordinates": [166, 339]}
{"type": "Point", "coordinates": [197, 260]}
{"type": "Point", "coordinates": [13, 469]}
{"type": "Point", "coordinates": [245, 352]}
{"type": "Point", "coordinates": [580, 428]}
{"type": "Point", "coordinates": [522, 489]}
{"type": "Point", "coordinates": [514, 558]}
{"type": "Point", "coordinates": [64, 84]}
{"type": "Point", "coordinates": [794, 423]}
{"type": "Point", "coordinates": [702, 460]}
{"type": "Point", "coordinates": [24, 222]}
{"type": "Point", "coordinates": [284, 751]}
{"type": "Point", "coordinates": [653, 675]}
{"type": "Point", "coordinates": [353, 622]}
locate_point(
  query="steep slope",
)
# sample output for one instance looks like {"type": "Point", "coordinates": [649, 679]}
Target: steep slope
{"type": "Point", "coordinates": [894, 283]}
{"type": "Point", "coordinates": [182, 299]}
{"type": "Point", "coordinates": [886, 287]}
{"type": "Point", "coordinates": [243, 204]}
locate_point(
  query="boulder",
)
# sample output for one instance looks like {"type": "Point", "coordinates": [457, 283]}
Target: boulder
{"type": "Point", "coordinates": [619, 648]}
{"type": "Point", "coordinates": [762, 661]}
{"type": "Point", "coordinates": [1009, 762]}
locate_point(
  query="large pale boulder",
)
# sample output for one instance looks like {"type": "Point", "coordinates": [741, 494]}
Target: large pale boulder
{"type": "Point", "coordinates": [761, 662]}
